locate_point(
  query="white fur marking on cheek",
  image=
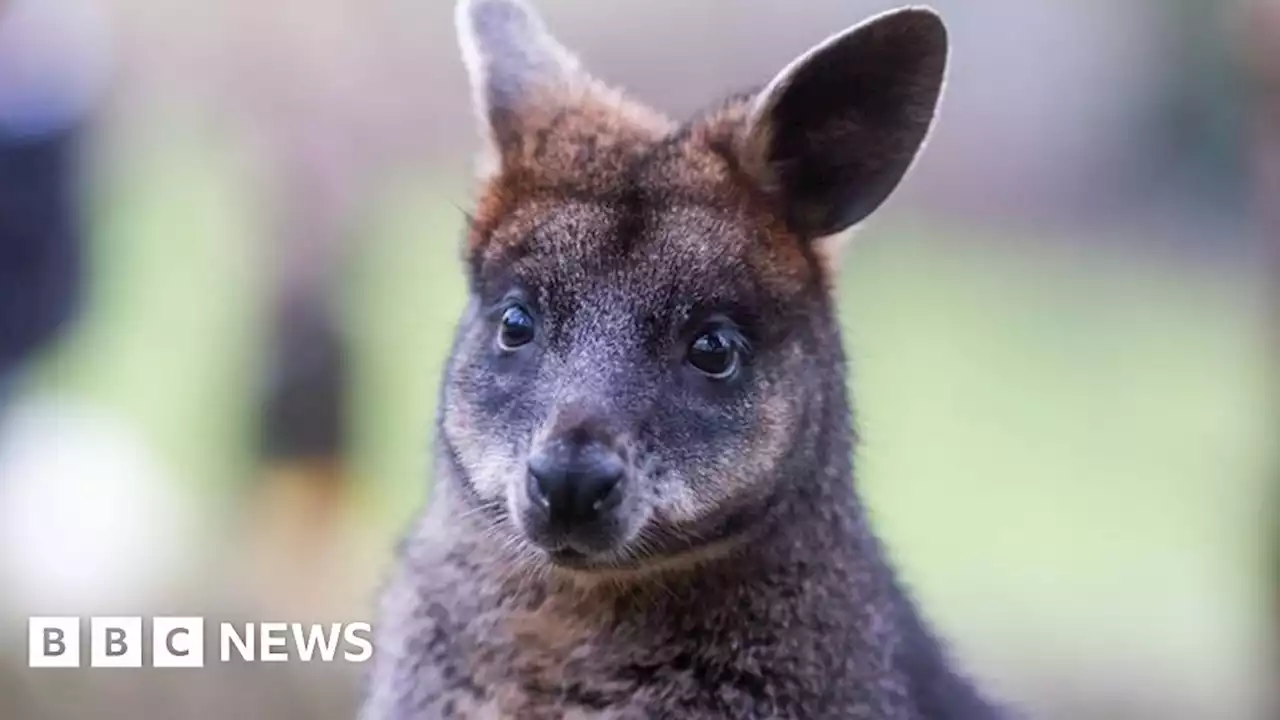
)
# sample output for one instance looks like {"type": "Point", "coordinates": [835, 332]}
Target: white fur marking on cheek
{"type": "Point", "coordinates": [488, 468]}
{"type": "Point", "coordinates": [677, 500]}
{"type": "Point", "coordinates": [491, 472]}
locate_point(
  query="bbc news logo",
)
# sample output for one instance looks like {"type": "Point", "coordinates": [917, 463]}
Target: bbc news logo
{"type": "Point", "coordinates": [179, 642]}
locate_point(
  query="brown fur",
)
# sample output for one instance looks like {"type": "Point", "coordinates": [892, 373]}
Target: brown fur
{"type": "Point", "coordinates": [577, 157]}
{"type": "Point", "coordinates": [737, 577]}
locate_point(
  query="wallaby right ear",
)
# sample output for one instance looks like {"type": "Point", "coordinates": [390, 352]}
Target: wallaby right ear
{"type": "Point", "coordinates": [835, 132]}
{"type": "Point", "coordinates": [519, 73]}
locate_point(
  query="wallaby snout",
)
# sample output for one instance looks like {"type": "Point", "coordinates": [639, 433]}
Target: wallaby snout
{"type": "Point", "coordinates": [573, 505]}
{"type": "Point", "coordinates": [574, 483]}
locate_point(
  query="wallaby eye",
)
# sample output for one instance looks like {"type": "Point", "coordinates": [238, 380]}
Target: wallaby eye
{"type": "Point", "coordinates": [515, 329]}
{"type": "Point", "coordinates": [715, 353]}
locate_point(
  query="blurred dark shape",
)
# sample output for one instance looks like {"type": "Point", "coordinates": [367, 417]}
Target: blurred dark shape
{"type": "Point", "coordinates": [50, 74]}
{"type": "Point", "coordinates": [302, 476]}
{"type": "Point", "coordinates": [304, 407]}
{"type": "Point", "coordinates": [40, 242]}
{"type": "Point", "coordinates": [1202, 111]}
{"type": "Point", "coordinates": [40, 248]}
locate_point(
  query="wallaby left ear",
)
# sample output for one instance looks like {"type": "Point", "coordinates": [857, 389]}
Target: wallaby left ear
{"type": "Point", "coordinates": [835, 132]}
{"type": "Point", "coordinates": [519, 73]}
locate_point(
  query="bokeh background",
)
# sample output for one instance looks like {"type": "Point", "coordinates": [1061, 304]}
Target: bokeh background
{"type": "Point", "coordinates": [229, 237]}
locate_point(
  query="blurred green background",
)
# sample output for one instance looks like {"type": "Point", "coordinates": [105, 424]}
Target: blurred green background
{"type": "Point", "coordinates": [1059, 334]}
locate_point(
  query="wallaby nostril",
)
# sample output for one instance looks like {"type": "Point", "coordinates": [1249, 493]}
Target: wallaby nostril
{"type": "Point", "coordinates": [601, 486]}
{"type": "Point", "coordinates": [533, 486]}
{"type": "Point", "coordinates": [608, 495]}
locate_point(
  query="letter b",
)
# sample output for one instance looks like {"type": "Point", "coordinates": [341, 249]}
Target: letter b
{"type": "Point", "coordinates": [53, 642]}
{"type": "Point", "coordinates": [115, 642]}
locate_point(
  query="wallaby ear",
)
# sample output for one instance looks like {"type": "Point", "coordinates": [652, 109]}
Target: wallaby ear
{"type": "Point", "coordinates": [515, 66]}
{"type": "Point", "coordinates": [835, 132]}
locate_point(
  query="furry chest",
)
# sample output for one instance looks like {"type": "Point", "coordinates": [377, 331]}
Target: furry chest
{"type": "Point", "coordinates": [541, 663]}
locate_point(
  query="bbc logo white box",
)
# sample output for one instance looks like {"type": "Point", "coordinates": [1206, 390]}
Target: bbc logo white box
{"type": "Point", "coordinates": [115, 642]}
{"type": "Point", "coordinates": [53, 642]}
{"type": "Point", "coordinates": [177, 642]}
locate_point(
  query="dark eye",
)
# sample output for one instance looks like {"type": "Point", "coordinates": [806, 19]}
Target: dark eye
{"type": "Point", "coordinates": [715, 354]}
{"type": "Point", "coordinates": [516, 328]}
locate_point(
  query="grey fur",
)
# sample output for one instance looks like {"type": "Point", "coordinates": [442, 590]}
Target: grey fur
{"type": "Point", "coordinates": [745, 580]}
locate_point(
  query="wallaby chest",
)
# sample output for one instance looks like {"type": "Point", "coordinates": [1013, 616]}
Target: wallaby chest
{"type": "Point", "coordinates": [513, 649]}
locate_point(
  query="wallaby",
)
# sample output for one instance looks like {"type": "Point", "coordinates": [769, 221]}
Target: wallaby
{"type": "Point", "coordinates": [644, 503]}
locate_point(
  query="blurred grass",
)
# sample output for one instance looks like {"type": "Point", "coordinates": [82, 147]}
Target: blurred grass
{"type": "Point", "coordinates": [1068, 450]}
{"type": "Point", "coordinates": [1064, 448]}
{"type": "Point", "coordinates": [170, 338]}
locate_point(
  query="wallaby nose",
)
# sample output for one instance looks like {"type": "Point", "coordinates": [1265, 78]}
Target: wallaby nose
{"type": "Point", "coordinates": [575, 484]}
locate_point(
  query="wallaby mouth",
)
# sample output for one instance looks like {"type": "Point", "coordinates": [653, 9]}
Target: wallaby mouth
{"type": "Point", "coordinates": [570, 558]}
{"type": "Point", "coordinates": [574, 540]}
{"type": "Point", "coordinates": [574, 544]}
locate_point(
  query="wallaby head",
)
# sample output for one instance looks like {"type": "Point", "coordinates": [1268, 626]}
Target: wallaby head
{"type": "Point", "coordinates": [650, 336]}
